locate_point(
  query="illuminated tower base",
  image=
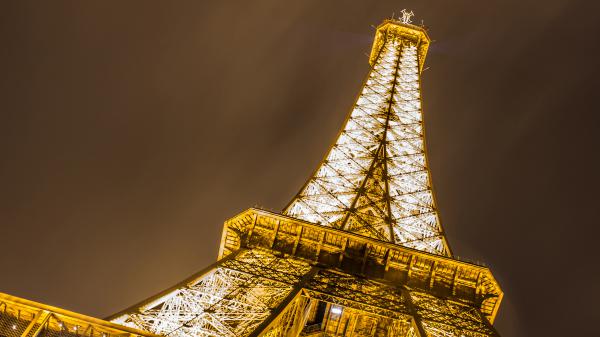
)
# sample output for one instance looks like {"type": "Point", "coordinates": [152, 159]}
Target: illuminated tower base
{"type": "Point", "coordinates": [279, 276]}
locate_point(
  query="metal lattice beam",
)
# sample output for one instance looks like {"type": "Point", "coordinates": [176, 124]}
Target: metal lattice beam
{"type": "Point", "coordinates": [375, 181]}
{"type": "Point", "coordinates": [232, 299]}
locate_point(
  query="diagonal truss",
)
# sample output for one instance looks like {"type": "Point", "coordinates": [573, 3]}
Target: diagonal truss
{"type": "Point", "coordinates": [257, 292]}
{"type": "Point", "coordinates": [260, 292]}
{"type": "Point", "coordinates": [231, 299]}
{"type": "Point", "coordinates": [374, 181]}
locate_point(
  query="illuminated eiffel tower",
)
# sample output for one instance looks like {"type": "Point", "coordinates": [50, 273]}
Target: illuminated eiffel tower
{"type": "Point", "coordinates": [359, 251]}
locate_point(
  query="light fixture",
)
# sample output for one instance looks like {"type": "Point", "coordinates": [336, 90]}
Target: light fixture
{"type": "Point", "coordinates": [336, 310]}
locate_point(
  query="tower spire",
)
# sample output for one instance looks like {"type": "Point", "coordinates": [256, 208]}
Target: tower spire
{"type": "Point", "coordinates": [375, 179]}
{"type": "Point", "coordinates": [406, 16]}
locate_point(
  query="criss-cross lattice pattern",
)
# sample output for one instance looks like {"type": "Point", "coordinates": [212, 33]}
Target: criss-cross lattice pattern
{"type": "Point", "coordinates": [23, 318]}
{"type": "Point", "coordinates": [444, 318]}
{"type": "Point", "coordinates": [230, 300]}
{"type": "Point", "coordinates": [375, 179]}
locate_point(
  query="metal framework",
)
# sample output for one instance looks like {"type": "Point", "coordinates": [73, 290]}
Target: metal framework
{"type": "Point", "coordinates": [375, 179]}
{"type": "Point", "coordinates": [24, 318]}
{"type": "Point", "coordinates": [281, 276]}
{"type": "Point", "coordinates": [358, 252]}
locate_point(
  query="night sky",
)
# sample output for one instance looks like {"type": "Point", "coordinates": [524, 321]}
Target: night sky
{"type": "Point", "coordinates": [130, 131]}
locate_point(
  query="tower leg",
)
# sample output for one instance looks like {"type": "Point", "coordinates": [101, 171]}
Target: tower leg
{"type": "Point", "coordinates": [290, 316]}
{"type": "Point", "coordinates": [243, 292]}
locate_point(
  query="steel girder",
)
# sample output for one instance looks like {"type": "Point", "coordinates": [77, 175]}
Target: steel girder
{"type": "Point", "coordinates": [230, 299]}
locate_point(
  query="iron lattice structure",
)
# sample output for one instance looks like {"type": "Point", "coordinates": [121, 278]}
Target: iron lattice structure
{"type": "Point", "coordinates": [358, 252]}
{"type": "Point", "coordinates": [375, 180]}
{"type": "Point", "coordinates": [24, 318]}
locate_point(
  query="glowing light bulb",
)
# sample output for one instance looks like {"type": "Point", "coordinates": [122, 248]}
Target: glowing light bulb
{"type": "Point", "coordinates": [336, 310]}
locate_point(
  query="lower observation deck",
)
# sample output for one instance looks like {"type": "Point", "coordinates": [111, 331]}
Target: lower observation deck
{"type": "Point", "coordinates": [384, 262]}
{"type": "Point", "coordinates": [279, 276]}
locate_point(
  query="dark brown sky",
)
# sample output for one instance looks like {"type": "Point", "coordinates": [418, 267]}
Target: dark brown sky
{"type": "Point", "coordinates": [131, 130]}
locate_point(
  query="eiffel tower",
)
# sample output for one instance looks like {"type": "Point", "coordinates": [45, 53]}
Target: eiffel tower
{"type": "Point", "coordinates": [359, 251]}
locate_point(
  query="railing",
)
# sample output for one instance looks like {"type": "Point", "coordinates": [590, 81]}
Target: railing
{"type": "Point", "coordinates": [23, 318]}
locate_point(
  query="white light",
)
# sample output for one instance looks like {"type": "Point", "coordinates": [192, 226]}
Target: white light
{"type": "Point", "coordinates": [14, 327]}
{"type": "Point", "coordinates": [336, 310]}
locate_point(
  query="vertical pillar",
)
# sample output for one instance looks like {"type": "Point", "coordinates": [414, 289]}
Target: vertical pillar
{"type": "Point", "coordinates": [413, 312]}
{"type": "Point", "coordinates": [296, 291]}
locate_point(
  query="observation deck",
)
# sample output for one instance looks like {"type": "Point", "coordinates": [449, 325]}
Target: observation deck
{"type": "Point", "coordinates": [365, 257]}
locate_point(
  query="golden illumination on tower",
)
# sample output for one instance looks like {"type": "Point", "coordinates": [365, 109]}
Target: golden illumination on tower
{"type": "Point", "coordinates": [375, 180]}
{"type": "Point", "coordinates": [358, 252]}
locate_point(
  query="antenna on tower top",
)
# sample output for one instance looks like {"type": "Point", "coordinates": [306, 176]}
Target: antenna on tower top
{"type": "Point", "coordinates": [406, 16]}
